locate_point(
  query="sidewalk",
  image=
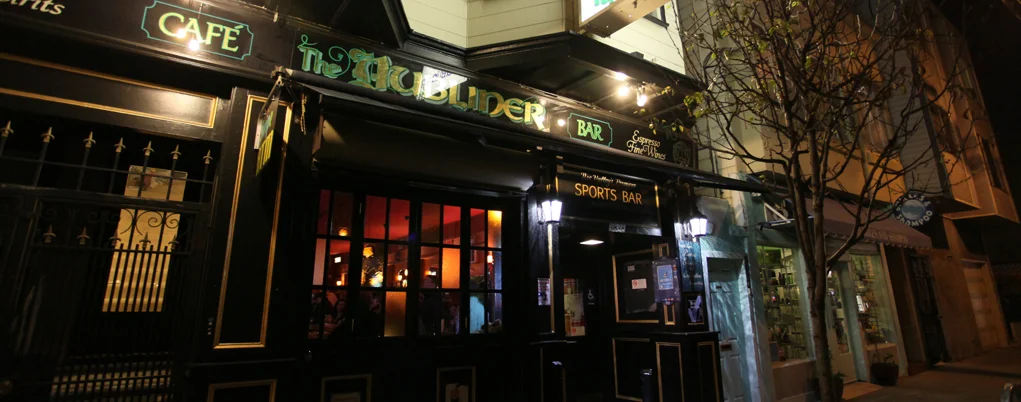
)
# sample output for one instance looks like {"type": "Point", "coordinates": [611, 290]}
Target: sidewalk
{"type": "Point", "coordinates": [977, 379]}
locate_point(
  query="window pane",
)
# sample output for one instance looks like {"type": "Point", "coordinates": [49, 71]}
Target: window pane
{"type": "Point", "coordinates": [375, 217]}
{"type": "Point", "coordinates": [400, 215]}
{"type": "Point", "coordinates": [369, 321]}
{"type": "Point", "coordinates": [397, 266]}
{"type": "Point", "coordinates": [317, 311]}
{"type": "Point", "coordinates": [317, 272]}
{"type": "Point", "coordinates": [495, 318]}
{"type": "Point", "coordinates": [477, 269]}
{"type": "Point", "coordinates": [324, 211]}
{"type": "Point", "coordinates": [372, 265]}
{"type": "Point", "coordinates": [338, 321]}
{"type": "Point", "coordinates": [494, 263]}
{"type": "Point", "coordinates": [439, 313]}
{"type": "Point", "coordinates": [478, 227]}
{"type": "Point", "coordinates": [574, 308]}
{"type": "Point", "coordinates": [476, 312]}
{"type": "Point", "coordinates": [337, 261]}
{"type": "Point", "coordinates": [343, 210]}
{"type": "Point", "coordinates": [451, 276]}
{"type": "Point", "coordinates": [430, 223]}
{"type": "Point", "coordinates": [451, 225]}
{"type": "Point", "coordinates": [429, 266]}
{"type": "Point", "coordinates": [395, 307]}
{"type": "Point", "coordinates": [495, 229]}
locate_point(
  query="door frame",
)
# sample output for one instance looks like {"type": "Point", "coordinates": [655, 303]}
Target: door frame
{"type": "Point", "coordinates": [751, 354]}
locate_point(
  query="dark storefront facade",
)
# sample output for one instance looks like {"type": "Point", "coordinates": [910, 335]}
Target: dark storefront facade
{"type": "Point", "coordinates": [212, 201]}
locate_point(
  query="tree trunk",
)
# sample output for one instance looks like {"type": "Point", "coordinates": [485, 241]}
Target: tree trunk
{"type": "Point", "coordinates": [820, 342]}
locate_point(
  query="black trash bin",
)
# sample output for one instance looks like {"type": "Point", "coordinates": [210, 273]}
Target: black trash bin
{"type": "Point", "coordinates": [648, 386]}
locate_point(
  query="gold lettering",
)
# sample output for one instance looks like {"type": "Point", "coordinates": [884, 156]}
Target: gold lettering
{"type": "Point", "coordinates": [397, 74]}
{"type": "Point", "coordinates": [577, 190]}
{"type": "Point", "coordinates": [453, 98]}
{"type": "Point", "coordinates": [229, 35]}
{"type": "Point", "coordinates": [514, 105]}
{"type": "Point", "coordinates": [193, 27]}
{"type": "Point", "coordinates": [163, 23]}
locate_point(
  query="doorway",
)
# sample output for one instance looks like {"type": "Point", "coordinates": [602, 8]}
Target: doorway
{"type": "Point", "coordinates": [730, 310]}
{"type": "Point", "coordinates": [928, 312]}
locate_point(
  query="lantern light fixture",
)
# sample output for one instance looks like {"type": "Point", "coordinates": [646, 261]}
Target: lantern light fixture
{"type": "Point", "coordinates": [698, 224]}
{"type": "Point", "coordinates": [551, 210]}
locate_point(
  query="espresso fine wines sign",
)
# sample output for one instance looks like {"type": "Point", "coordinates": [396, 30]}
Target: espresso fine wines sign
{"type": "Point", "coordinates": [604, 197]}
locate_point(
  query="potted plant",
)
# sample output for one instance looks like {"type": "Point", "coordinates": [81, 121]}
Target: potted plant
{"type": "Point", "coordinates": [836, 386]}
{"type": "Point", "coordinates": [885, 373]}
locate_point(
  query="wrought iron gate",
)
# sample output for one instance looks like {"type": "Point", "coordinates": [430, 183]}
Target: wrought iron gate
{"type": "Point", "coordinates": [102, 238]}
{"type": "Point", "coordinates": [928, 311]}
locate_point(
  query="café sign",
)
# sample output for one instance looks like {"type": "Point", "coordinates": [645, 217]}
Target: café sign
{"type": "Point", "coordinates": [197, 31]}
{"type": "Point", "coordinates": [604, 197]}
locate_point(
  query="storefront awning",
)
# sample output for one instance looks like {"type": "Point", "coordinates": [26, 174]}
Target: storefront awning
{"type": "Point", "coordinates": [840, 223]}
{"type": "Point", "coordinates": [474, 127]}
{"type": "Point", "coordinates": [889, 231]}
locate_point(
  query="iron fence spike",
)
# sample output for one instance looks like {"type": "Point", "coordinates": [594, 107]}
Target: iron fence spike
{"type": "Point", "coordinates": [84, 237]}
{"type": "Point", "coordinates": [119, 146]}
{"type": "Point", "coordinates": [6, 131]}
{"type": "Point", "coordinates": [89, 141]}
{"type": "Point", "coordinates": [209, 156]}
{"type": "Point", "coordinates": [49, 235]}
{"type": "Point", "coordinates": [148, 149]}
{"type": "Point", "coordinates": [177, 151]}
{"type": "Point", "coordinates": [48, 135]}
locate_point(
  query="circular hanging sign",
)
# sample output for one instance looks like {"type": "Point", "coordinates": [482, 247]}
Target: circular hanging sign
{"type": "Point", "coordinates": [914, 209]}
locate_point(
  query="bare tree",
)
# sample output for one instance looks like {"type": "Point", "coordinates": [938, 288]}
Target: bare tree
{"type": "Point", "coordinates": [836, 96]}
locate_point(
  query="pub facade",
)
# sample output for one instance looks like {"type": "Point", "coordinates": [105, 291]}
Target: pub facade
{"type": "Point", "coordinates": [213, 200]}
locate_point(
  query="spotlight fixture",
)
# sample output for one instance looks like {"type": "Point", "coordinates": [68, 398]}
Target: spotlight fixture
{"type": "Point", "coordinates": [591, 242]}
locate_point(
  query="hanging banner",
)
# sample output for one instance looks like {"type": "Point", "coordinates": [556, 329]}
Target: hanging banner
{"type": "Point", "coordinates": [602, 197]}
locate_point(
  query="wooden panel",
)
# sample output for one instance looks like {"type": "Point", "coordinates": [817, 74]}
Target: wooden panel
{"type": "Point", "coordinates": [242, 313]}
{"type": "Point", "coordinates": [629, 358]}
{"type": "Point", "coordinates": [446, 20]}
{"type": "Point", "coordinates": [670, 366]}
{"type": "Point", "coordinates": [248, 391]}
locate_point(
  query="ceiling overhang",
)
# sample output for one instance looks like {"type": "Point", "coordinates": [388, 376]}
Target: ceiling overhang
{"type": "Point", "coordinates": [613, 16]}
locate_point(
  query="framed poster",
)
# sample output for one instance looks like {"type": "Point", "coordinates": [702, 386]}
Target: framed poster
{"type": "Point", "coordinates": [694, 308]}
{"type": "Point", "coordinates": [635, 287]}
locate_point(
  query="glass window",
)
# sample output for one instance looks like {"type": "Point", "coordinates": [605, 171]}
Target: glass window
{"type": "Point", "coordinates": [992, 164]}
{"type": "Point", "coordinates": [364, 278]}
{"type": "Point", "coordinates": [784, 318]}
{"type": "Point", "coordinates": [873, 300]}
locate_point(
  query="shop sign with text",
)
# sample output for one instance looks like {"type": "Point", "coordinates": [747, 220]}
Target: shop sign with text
{"type": "Point", "coordinates": [603, 197]}
{"type": "Point", "coordinates": [197, 31]}
{"type": "Point", "coordinates": [368, 69]}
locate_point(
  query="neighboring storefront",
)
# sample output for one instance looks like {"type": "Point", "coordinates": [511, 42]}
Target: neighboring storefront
{"type": "Point", "coordinates": [861, 315]}
{"type": "Point", "coordinates": [445, 233]}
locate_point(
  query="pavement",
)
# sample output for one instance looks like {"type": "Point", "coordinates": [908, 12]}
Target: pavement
{"type": "Point", "coordinates": [976, 379]}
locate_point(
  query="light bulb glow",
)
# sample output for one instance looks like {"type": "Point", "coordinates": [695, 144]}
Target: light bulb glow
{"type": "Point", "coordinates": [698, 225]}
{"type": "Point", "coordinates": [591, 242]}
{"type": "Point", "coordinates": [193, 45]}
{"type": "Point", "coordinates": [642, 99]}
{"type": "Point", "coordinates": [623, 90]}
{"type": "Point", "coordinates": [337, 260]}
{"type": "Point", "coordinates": [619, 76]}
{"type": "Point", "coordinates": [561, 122]}
{"type": "Point", "coordinates": [179, 33]}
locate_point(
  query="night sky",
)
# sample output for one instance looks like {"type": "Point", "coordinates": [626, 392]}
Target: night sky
{"type": "Point", "coordinates": [993, 32]}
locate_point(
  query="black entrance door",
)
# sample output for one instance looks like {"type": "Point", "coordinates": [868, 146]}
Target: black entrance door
{"type": "Point", "coordinates": [928, 311]}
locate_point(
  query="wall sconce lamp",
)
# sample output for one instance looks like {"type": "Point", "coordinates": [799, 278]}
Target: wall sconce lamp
{"type": "Point", "coordinates": [551, 210]}
{"type": "Point", "coordinates": [698, 224]}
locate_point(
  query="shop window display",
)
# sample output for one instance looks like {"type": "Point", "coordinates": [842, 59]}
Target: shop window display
{"type": "Point", "coordinates": [838, 320]}
{"type": "Point", "coordinates": [874, 313]}
{"type": "Point", "coordinates": [782, 301]}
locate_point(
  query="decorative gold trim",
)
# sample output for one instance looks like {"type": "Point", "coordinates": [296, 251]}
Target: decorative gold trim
{"type": "Point", "coordinates": [273, 231]}
{"type": "Point", "coordinates": [211, 395]}
{"type": "Point", "coordinates": [112, 109]}
{"type": "Point", "coordinates": [716, 377]}
{"type": "Point", "coordinates": [368, 385]}
{"type": "Point", "coordinates": [616, 389]}
{"type": "Point", "coordinates": [659, 368]}
{"type": "Point", "coordinates": [616, 303]}
{"type": "Point", "coordinates": [39, 63]}
{"type": "Point", "coordinates": [445, 369]}
{"type": "Point", "coordinates": [668, 315]}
